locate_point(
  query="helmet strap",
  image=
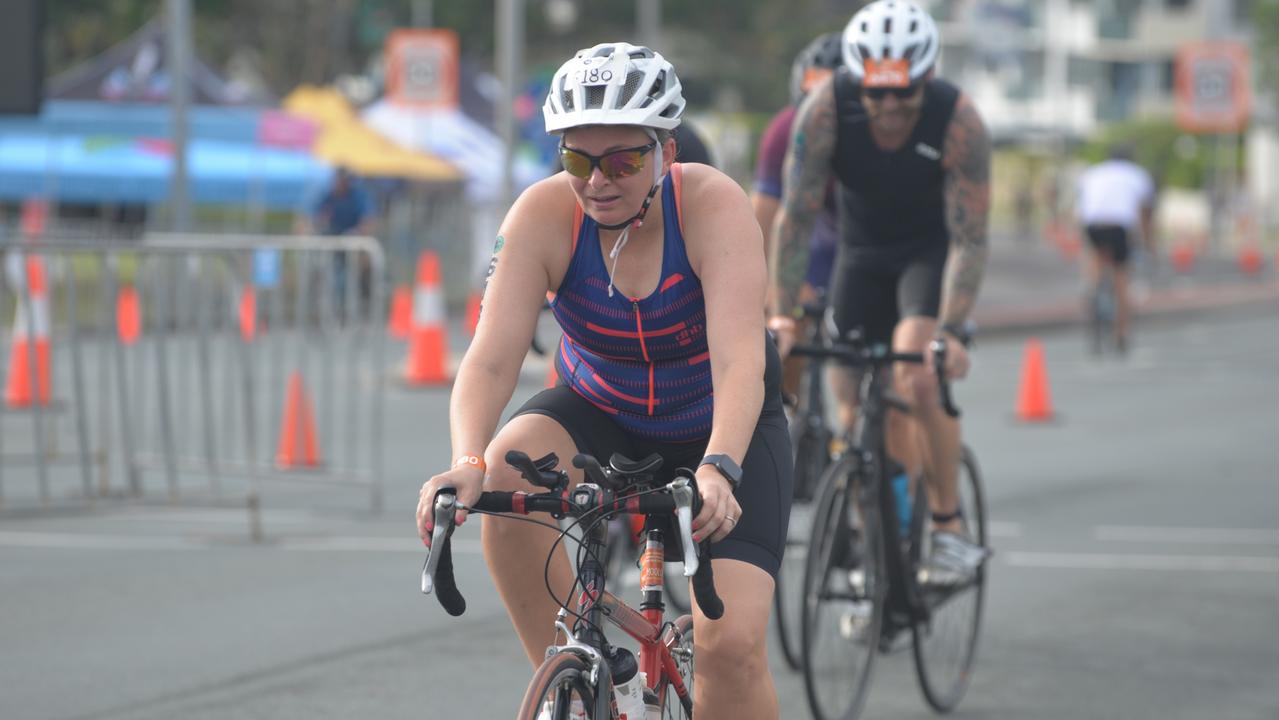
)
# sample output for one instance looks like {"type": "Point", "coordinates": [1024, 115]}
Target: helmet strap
{"type": "Point", "coordinates": [637, 219]}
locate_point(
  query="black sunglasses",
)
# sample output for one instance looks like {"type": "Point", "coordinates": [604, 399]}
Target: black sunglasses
{"type": "Point", "coordinates": [901, 93]}
{"type": "Point", "coordinates": [616, 164]}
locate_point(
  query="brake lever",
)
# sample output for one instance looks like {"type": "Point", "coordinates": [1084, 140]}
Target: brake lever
{"type": "Point", "coordinates": [938, 348]}
{"type": "Point", "coordinates": [682, 491]}
{"type": "Point", "coordinates": [445, 508]}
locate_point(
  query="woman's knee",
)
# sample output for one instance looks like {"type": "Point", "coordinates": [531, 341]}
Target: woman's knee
{"type": "Point", "coordinates": [734, 648]}
{"type": "Point", "coordinates": [534, 435]}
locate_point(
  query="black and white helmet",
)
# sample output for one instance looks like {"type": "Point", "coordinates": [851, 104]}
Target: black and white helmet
{"type": "Point", "coordinates": [890, 43]}
{"type": "Point", "coordinates": [824, 53]}
{"type": "Point", "coordinates": [614, 84]}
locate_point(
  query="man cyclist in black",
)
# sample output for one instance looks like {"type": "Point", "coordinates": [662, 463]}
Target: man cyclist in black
{"type": "Point", "coordinates": [911, 158]}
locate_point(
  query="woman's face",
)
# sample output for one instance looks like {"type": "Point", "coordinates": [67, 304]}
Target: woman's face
{"type": "Point", "coordinates": [597, 149]}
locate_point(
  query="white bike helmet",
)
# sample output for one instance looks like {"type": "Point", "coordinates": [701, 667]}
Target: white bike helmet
{"type": "Point", "coordinates": [614, 84]}
{"type": "Point", "coordinates": [890, 43]}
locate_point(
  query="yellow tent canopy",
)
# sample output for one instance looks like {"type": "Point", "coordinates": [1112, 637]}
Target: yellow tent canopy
{"type": "Point", "coordinates": [345, 141]}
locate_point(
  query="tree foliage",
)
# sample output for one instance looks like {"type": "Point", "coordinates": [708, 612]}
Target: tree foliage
{"type": "Point", "coordinates": [1265, 26]}
{"type": "Point", "coordinates": [724, 48]}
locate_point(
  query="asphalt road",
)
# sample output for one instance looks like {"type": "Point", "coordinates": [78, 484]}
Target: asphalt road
{"type": "Point", "coordinates": [1137, 567]}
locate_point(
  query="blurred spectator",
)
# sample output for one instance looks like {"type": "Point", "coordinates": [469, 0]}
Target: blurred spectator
{"type": "Point", "coordinates": [346, 208]}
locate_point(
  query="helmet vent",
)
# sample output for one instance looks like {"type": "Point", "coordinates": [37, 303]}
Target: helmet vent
{"type": "Point", "coordinates": [633, 80]}
{"type": "Point", "coordinates": [595, 96]}
{"type": "Point", "coordinates": [566, 99]}
{"type": "Point", "coordinates": [914, 25]}
{"type": "Point", "coordinates": [888, 26]}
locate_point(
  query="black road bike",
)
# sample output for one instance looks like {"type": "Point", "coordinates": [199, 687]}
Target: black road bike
{"type": "Point", "coordinates": [866, 579]}
{"type": "Point", "coordinates": [815, 445]}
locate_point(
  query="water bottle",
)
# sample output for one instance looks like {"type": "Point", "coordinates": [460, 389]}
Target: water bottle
{"type": "Point", "coordinates": [901, 489]}
{"type": "Point", "coordinates": [652, 709]}
{"type": "Point", "coordinates": [628, 685]}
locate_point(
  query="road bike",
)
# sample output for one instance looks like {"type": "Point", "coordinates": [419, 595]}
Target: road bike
{"type": "Point", "coordinates": [1101, 308]}
{"type": "Point", "coordinates": [576, 679]}
{"type": "Point", "coordinates": [867, 578]}
{"type": "Point", "coordinates": [815, 445]}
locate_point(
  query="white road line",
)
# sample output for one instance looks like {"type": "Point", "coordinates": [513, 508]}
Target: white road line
{"type": "Point", "coordinates": [1004, 529]}
{"type": "Point", "coordinates": [1174, 563]}
{"type": "Point", "coordinates": [101, 541]}
{"type": "Point", "coordinates": [374, 544]}
{"type": "Point", "coordinates": [1186, 535]}
{"type": "Point", "coordinates": [94, 541]}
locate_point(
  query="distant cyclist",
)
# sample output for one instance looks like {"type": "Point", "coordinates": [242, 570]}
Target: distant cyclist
{"type": "Point", "coordinates": [1116, 209]}
{"type": "Point", "coordinates": [814, 63]}
{"type": "Point", "coordinates": [911, 157]}
{"type": "Point", "coordinates": [659, 277]}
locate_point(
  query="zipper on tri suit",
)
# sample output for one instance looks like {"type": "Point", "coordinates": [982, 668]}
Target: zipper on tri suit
{"type": "Point", "coordinates": [639, 329]}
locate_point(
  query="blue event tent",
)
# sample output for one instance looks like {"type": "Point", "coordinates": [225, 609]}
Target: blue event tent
{"type": "Point", "coordinates": [104, 136]}
{"type": "Point", "coordinates": [103, 152]}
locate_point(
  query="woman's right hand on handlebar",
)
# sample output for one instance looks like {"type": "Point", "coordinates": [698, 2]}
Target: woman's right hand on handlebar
{"type": "Point", "coordinates": [467, 481]}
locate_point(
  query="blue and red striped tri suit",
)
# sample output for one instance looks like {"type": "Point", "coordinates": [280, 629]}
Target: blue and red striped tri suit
{"type": "Point", "coordinates": [644, 361]}
{"type": "Point", "coordinates": [635, 378]}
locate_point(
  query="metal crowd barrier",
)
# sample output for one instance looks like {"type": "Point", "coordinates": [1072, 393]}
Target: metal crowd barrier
{"type": "Point", "coordinates": [219, 364]}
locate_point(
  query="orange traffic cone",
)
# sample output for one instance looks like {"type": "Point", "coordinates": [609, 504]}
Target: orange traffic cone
{"type": "Point", "coordinates": [128, 315]}
{"type": "Point", "coordinates": [1250, 260]}
{"type": "Point", "coordinates": [1183, 257]}
{"type": "Point", "coordinates": [400, 321]}
{"type": "Point", "coordinates": [18, 391]}
{"type": "Point", "coordinates": [473, 312]}
{"type": "Point", "coordinates": [428, 339]}
{"type": "Point", "coordinates": [1034, 401]}
{"type": "Point", "coordinates": [297, 446]}
{"type": "Point", "coordinates": [248, 313]}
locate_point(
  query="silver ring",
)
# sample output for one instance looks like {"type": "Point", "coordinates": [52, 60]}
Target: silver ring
{"type": "Point", "coordinates": [731, 519]}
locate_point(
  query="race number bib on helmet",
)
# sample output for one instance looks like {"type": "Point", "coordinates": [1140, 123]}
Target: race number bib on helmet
{"type": "Point", "coordinates": [594, 70]}
{"type": "Point", "coordinates": [885, 73]}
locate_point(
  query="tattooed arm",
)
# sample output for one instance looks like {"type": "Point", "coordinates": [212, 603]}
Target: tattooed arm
{"type": "Point", "coordinates": [966, 162]}
{"type": "Point", "coordinates": [807, 168]}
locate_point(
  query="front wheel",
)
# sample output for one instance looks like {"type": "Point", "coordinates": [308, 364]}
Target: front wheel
{"type": "Point", "coordinates": [676, 705]}
{"type": "Point", "coordinates": [560, 690]}
{"type": "Point", "coordinates": [843, 603]}
{"type": "Point", "coordinates": [946, 639]}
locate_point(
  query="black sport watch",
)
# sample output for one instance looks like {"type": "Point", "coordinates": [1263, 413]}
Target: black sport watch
{"type": "Point", "coordinates": [726, 467]}
{"type": "Point", "coordinates": [963, 332]}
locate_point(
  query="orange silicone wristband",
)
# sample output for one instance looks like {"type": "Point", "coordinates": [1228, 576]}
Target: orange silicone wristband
{"type": "Point", "coordinates": [474, 460]}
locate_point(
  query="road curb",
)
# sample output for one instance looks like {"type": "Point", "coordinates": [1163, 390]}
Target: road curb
{"type": "Point", "coordinates": [1163, 304]}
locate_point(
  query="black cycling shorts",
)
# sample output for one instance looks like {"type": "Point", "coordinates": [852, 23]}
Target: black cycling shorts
{"type": "Point", "coordinates": [759, 536]}
{"type": "Point", "coordinates": [874, 291]}
{"type": "Point", "coordinates": [1110, 240]}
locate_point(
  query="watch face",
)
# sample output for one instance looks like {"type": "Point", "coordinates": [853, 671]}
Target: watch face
{"type": "Point", "coordinates": [726, 466]}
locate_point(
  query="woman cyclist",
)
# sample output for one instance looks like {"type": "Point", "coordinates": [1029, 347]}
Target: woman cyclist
{"type": "Point", "coordinates": [657, 276]}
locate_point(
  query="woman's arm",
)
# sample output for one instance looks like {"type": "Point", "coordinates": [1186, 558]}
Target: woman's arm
{"type": "Point", "coordinates": [725, 248]}
{"type": "Point", "coordinates": [533, 239]}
